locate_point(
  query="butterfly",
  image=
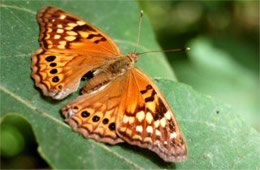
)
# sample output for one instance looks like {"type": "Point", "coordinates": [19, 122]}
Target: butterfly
{"type": "Point", "coordinates": [120, 103]}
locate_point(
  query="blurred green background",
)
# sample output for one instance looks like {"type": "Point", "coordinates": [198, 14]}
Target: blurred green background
{"type": "Point", "coordinates": [224, 58]}
{"type": "Point", "coordinates": [223, 63]}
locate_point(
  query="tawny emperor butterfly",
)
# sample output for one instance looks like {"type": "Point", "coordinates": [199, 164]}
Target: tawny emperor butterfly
{"type": "Point", "coordinates": [120, 103]}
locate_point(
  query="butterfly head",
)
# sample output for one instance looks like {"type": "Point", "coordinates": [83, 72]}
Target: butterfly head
{"type": "Point", "coordinates": [133, 56]}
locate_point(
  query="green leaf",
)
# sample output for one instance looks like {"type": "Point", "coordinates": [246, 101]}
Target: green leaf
{"type": "Point", "coordinates": [216, 137]}
{"type": "Point", "coordinates": [219, 72]}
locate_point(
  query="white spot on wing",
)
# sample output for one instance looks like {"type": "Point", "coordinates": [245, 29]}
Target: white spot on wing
{"type": "Point", "coordinates": [72, 24]}
{"type": "Point", "coordinates": [62, 42]}
{"type": "Point", "coordinates": [140, 116]}
{"type": "Point", "coordinates": [80, 22]}
{"type": "Point", "coordinates": [156, 123]}
{"type": "Point", "coordinates": [70, 38]}
{"type": "Point", "coordinates": [149, 117]}
{"type": "Point", "coordinates": [70, 112]}
{"type": "Point", "coordinates": [61, 46]}
{"type": "Point", "coordinates": [168, 115]}
{"type": "Point", "coordinates": [60, 30]}
{"type": "Point", "coordinates": [131, 120]}
{"type": "Point", "coordinates": [125, 119]}
{"type": "Point", "coordinates": [157, 132]}
{"type": "Point", "coordinates": [139, 129]}
{"type": "Point", "coordinates": [71, 33]}
{"type": "Point", "coordinates": [149, 129]}
{"type": "Point", "coordinates": [62, 16]}
{"type": "Point", "coordinates": [61, 94]}
{"type": "Point", "coordinates": [173, 135]}
{"type": "Point", "coordinates": [56, 37]}
{"type": "Point", "coordinates": [68, 28]}
{"type": "Point", "coordinates": [163, 122]}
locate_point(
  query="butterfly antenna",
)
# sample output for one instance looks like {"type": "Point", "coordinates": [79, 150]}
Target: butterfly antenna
{"type": "Point", "coordinates": [154, 51]}
{"type": "Point", "coordinates": [171, 50]}
{"type": "Point", "coordinates": [139, 30]}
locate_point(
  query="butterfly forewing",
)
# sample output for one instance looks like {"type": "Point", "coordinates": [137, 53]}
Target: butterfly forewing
{"type": "Point", "coordinates": [61, 30]}
{"type": "Point", "coordinates": [70, 47]}
{"type": "Point", "coordinates": [145, 119]}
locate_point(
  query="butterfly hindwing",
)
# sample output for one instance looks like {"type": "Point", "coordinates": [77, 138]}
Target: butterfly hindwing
{"type": "Point", "coordinates": [94, 114]}
{"type": "Point", "coordinates": [140, 114]}
{"type": "Point", "coordinates": [145, 119]}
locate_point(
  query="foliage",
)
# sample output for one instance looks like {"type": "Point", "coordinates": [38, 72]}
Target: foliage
{"type": "Point", "coordinates": [216, 135]}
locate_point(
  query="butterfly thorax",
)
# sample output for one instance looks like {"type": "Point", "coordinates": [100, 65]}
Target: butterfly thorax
{"type": "Point", "coordinates": [108, 72]}
{"type": "Point", "coordinates": [133, 56]}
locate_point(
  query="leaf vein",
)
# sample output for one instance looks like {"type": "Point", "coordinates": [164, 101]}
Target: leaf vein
{"type": "Point", "coordinates": [26, 103]}
{"type": "Point", "coordinates": [18, 8]}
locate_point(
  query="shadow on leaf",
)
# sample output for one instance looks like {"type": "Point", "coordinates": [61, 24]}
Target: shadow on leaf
{"type": "Point", "coordinates": [149, 155]}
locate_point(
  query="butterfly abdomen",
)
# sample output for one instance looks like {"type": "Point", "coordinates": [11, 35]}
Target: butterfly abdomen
{"type": "Point", "coordinates": [101, 79]}
{"type": "Point", "coordinates": [104, 75]}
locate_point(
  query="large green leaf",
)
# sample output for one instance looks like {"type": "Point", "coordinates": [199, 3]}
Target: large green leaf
{"type": "Point", "coordinates": [216, 137]}
{"type": "Point", "coordinates": [217, 71]}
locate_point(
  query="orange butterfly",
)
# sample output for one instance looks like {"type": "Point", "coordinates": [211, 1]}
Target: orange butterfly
{"type": "Point", "coordinates": [120, 103]}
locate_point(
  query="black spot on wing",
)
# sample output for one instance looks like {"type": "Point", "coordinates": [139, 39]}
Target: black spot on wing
{"type": "Point", "coordinates": [171, 126]}
{"type": "Point", "coordinates": [70, 19]}
{"type": "Point", "coordinates": [83, 28]}
{"type": "Point", "coordinates": [85, 114]}
{"type": "Point", "coordinates": [55, 79]}
{"type": "Point", "coordinates": [53, 71]}
{"type": "Point", "coordinates": [93, 35]}
{"type": "Point", "coordinates": [105, 121]}
{"type": "Point", "coordinates": [160, 110]}
{"type": "Point", "coordinates": [161, 107]}
{"type": "Point", "coordinates": [148, 87]}
{"type": "Point", "coordinates": [112, 126]}
{"type": "Point", "coordinates": [53, 65]}
{"type": "Point", "coordinates": [151, 98]}
{"type": "Point", "coordinates": [102, 39]}
{"type": "Point", "coordinates": [50, 58]}
{"type": "Point", "coordinates": [95, 118]}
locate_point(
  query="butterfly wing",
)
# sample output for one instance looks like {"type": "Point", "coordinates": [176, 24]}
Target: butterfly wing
{"type": "Point", "coordinates": [70, 47]}
{"type": "Point", "coordinates": [145, 119]}
{"type": "Point", "coordinates": [94, 114]}
{"type": "Point", "coordinates": [80, 36]}
{"type": "Point", "coordinates": [135, 111]}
